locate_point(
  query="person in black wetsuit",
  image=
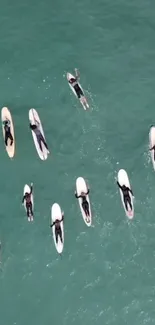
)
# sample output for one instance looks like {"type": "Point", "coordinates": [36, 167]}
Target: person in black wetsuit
{"type": "Point", "coordinates": [40, 138]}
{"type": "Point", "coordinates": [126, 196]}
{"type": "Point", "coordinates": [85, 204]}
{"type": "Point", "coordinates": [27, 199]}
{"type": "Point", "coordinates": [58, 231]}
{"type": "Point", "coordinates": [8, 135]}
{"type": "Point", "coordinates": [75, 85]}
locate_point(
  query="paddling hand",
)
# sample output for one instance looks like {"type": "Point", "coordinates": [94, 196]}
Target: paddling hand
{"type": "Point", "coordinates": [77, 73]}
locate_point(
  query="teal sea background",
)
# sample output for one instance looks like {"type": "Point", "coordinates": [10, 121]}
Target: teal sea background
{"type": "Point", "coordinates": [106, 274]}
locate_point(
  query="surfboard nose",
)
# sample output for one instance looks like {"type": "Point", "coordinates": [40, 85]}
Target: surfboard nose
{"type": "Point", "coordinates": [121, 170]}
{"type": "Point", "coordinates": [55, 205]}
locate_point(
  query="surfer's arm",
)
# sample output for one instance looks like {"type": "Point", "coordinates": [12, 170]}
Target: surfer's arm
{"type": "Point", "coordinates": [151, 148]}
{"type": "Point", "coordinates": [31, 126]}
{"type": "Point", "coordinates": [87, 192]}
{"type": "Point", "coordinates": [23, 199]}
{"type": "Point", "coordinates": [77, 75]}
{"type": "Point", "coordinates": [52, 224]}
{"type": "Point", "coordinates": [31, 188]}
{"type": "Point", "coordinates": [77, 197]}
{"type": "Point", "coordinates": [119, 185]}
{"type": "Point", "coordinates": [130, 191]}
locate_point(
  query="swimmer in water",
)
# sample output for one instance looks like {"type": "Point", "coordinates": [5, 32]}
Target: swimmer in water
{"type": "Point", "coordinates": [58, 231]}
{"type": "Point", "coordinates": [27, 199]}
{"type": "Point", "coordinates": [85, 204]}
{"type": "Point", "coordinates": [126, 196]}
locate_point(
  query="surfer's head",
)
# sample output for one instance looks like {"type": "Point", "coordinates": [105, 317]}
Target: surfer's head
{"type": "Point", "coordinates": [83, 194]}
{"type": "Point", "coordinates": [123, 187]}
{"type": "Point", "coordinates": [72, 80]}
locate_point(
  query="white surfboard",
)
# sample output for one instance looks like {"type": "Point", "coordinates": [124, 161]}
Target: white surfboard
{"type": "Point", "coordinates": [152, 143]}
{"type": "Point", "coordinates": [83, 99]}
{"type": "Point", "coordinates": [27, 189]}
{"type": "Point", "coordinates": [5, 114]}
{"type": "Point", "coordinates": [34, 119]}
{"type": "Point", "coordinates": [81, 186]}
{"type": "Point", "coordinates": [124, 180]}
{"type": "Point", "coordinates": [56, 213]}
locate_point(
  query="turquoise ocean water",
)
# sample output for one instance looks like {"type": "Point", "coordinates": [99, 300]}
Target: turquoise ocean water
{"type": "Point", "coordinates": [106, 273]}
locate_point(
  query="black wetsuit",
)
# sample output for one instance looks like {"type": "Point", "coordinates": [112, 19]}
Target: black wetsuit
{"type": "Point", "coordinates": [39, 136]}
{"type": "Point", "coordinates": [58, 231]}
{"type": "Point", "coordinates": [126, 196]}
{"type": "Point", "coordinates": [27, 198]}
{"type": "Point", "coordinates": [85, 204]}
{"type": "Point", "coordinates": [8, 134]}
{"type": "Point", "coordinates": [75, 85]}
{"type": "Point", "coordinates": [153, 148]}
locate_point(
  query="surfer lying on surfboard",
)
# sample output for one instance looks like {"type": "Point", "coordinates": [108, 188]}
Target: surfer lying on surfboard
{"type": "Point", "coordinates": [27, 199]}
{"type": "Point", "coordinates": [75, 85]}
{"type": "Point", "coordinates": [58, 231]}
{"type": "Point", "coordinates": [8, 135]}
{"type": "Point", "coordinates": [85, 204]}
{"type": "Point", "coordinates": [39, 136]}
{"type": "Point", "coordinates": [126, 196]}
{"type": "Point", "coordinates": [153, 148]}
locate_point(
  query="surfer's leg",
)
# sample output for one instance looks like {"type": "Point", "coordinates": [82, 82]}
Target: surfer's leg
{"type": "Point", "coordinates": [56, 235]}
{"type": "Point", "coordinates": [84, 205]}
{"type": "Point", "coordinates": [126, 202]}
{"type": "Point", "coordinates": [39, 142]}
{"type": "Point", "coordinates": [80, 93]}
{"type": "Point", "coordinates": [87, 209]}
{"type": "Point", "coordinates": [129, 201]}
{"type": "Point", "coordinates": [30, 208]}
{"type": "Point", "coordinates": [6, 138]}
{"type": "Point", "coordinates": [11, 138]}
{"type": "Point", "coordinates": [60, 234]}
{"type": "Point", "coordinates": [43, 140]}
{"type": "Point", "coordinates": [27, 209]}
